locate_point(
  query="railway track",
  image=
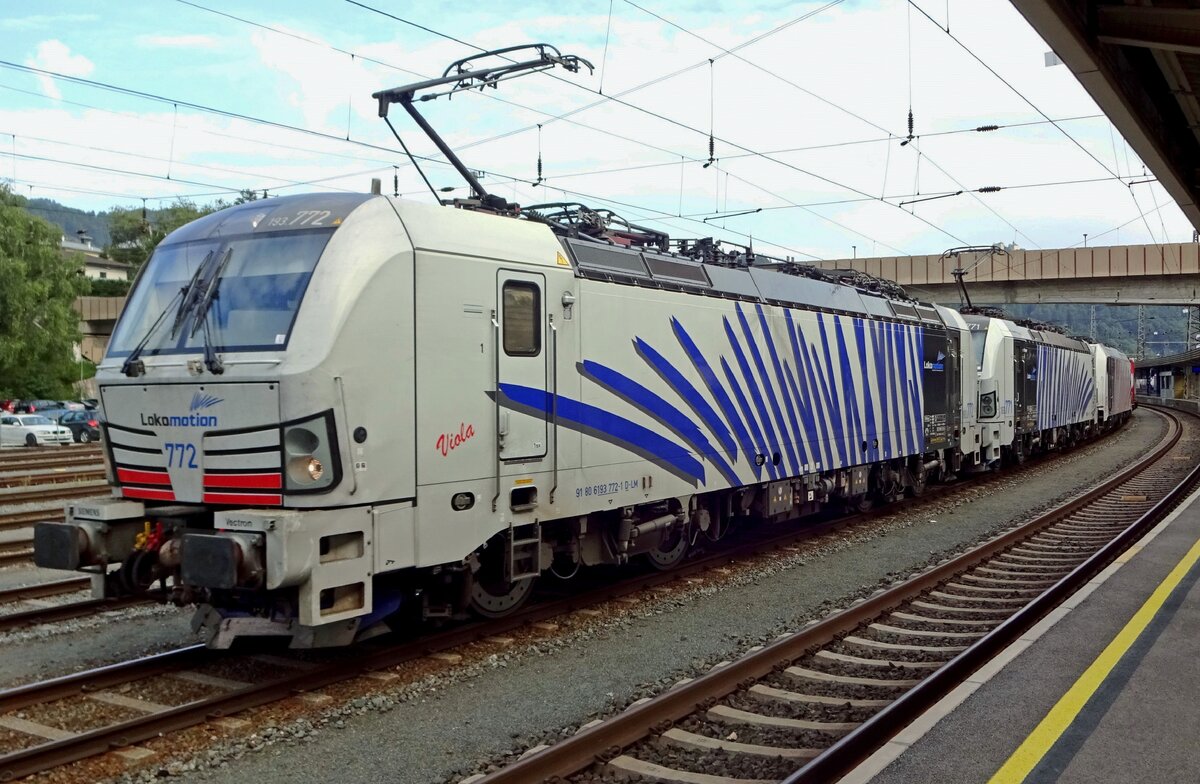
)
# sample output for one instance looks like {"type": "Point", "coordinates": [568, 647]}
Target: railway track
{"type": "Point", "coordinates": [42, 479]}
{"type": "Point", "coordinates": [53, 492]}
{"type": "Point", "coordinates": [147, 697]}
{"type": "Point", "coordinates": [49, 612]}
{"type": "Point", "coordinates": [35, 593]}
{"type": "Point", "coordinates": [20, 554]}
{"type": "Point", "coordinates": [813, 704]}
{"type": "Point", "coordinates": [48, 457]}
{"type": "Point", "coordinates": [16, 520]}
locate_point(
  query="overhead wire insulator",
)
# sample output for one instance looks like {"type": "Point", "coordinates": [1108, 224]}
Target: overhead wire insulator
{"type": "Point", "coordinates": [989, 189]}
{"type": "Point", "coordinates": [538, 181]}
{"type": "Point", "coordinates": [395, 180]}
{"type": "Point", "coordinates": [986, 128]}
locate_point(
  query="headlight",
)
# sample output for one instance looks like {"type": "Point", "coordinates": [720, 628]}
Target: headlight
{"type": "Point", "coordinates": [987, 405]}
{"type": "Point", "coordinates": [311, 458]}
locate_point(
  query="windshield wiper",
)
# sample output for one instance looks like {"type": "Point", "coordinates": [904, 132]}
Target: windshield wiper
{"type": "Point", "coordinates": [134, 367]}
{"type": "Point", "coordinates": [189, 292]}
{"type": "Point", "coordinates": [200, 319]}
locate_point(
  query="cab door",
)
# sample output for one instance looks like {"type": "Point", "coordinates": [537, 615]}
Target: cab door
{"type": "Point", "coordinates": [521, 360]}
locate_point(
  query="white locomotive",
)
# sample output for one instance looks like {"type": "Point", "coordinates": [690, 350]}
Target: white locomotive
{"type": "Point", "coordinates": [331, 410]}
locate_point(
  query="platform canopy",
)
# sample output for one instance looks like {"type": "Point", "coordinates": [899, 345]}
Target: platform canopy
{"type": "Point", "coordinates": [1141, 64]}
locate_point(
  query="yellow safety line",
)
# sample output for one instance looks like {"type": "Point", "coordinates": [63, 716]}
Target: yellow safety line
{"type": "Point", "coordinates": [1044, 736]}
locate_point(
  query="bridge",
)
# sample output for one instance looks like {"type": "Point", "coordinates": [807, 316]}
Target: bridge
{"type": "Point", "coordinates": [1166, 274]}
{"type": "Point", "coordinates": [97, 315]}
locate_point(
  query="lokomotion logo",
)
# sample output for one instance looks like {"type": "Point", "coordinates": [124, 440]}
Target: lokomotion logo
{"type": "Point", "coordinates": [938, 365]}
{"type": "Point", "coordinates": [200, 401]}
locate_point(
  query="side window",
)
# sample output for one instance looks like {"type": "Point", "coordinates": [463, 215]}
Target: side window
{"type": "Point", "coordinates": [522, 319]}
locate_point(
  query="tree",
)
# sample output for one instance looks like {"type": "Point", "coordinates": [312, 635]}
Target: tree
{"type": "Point", "coordinates": [108, 287]}
{"type": "Point", "coordinates": [39, 329]}
{"type": "Point", "coordinates": [132, 237]}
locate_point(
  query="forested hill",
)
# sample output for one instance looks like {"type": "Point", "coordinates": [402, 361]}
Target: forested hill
{"type": "Point", "coordinates": [1116, 325]}
{"type": "Point", "coordinates": [71, 220]}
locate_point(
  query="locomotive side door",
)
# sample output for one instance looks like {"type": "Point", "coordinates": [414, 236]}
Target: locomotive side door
{"type": "Point", "coordinates": [935, 350]}
{"type": "Point", "coordinates": [521, 339]}
{"type": "Point", "coordinates": [953, 385]}
{"type": "Point", "coordinates": [1025, 370]}
{"type": "Point", "coordinates": [1111, 379]}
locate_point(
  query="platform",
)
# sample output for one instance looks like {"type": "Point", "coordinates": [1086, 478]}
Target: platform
{"type": "Point", "coordinates": [1105, 689]}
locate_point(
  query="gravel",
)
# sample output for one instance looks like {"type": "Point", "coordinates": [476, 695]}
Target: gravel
{"type": "Point", "coordinates": [759, 736]}
{"type": "Point", "coordinates": [76, 714]}
{"type": "Point", "coordinates": [464, 719]}
{"type": "Point", "coordinates": [717, 763]}
{"type": "Point", "coordinates": [832, 714]}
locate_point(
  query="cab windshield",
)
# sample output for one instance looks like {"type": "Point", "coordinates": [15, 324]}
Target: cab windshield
{"type": "Point", "coordinates": [259, 282]}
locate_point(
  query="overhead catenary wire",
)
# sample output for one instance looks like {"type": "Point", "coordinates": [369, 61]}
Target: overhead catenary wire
{"type": "Point", "coordinates": [971, 52]}
{"type": "Point", "coordinates": [276, 124]}
{"type": "Point", "coordinates": [747, 155]}
{"type": "Point", "coordinates": [569, 175]}
{"type": "Point", "coordinates": [778, 76]}
{"type": "Point", "coordinates": [432, 31]}
{"type": "Point", "coordinates": [617, 98]}
{"type": "Point", "coordinates": [774, 74]}
{"type": "Point", "coordinates": [112, 194]}
{"type": "Point", "coordinates": [401, 69]}
{"type": "Point", "coordinates": [147, 175]}
{"type": "Point", "coordinates": [279, 181]}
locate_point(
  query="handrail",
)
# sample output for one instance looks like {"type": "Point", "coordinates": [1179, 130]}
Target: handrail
{"type": "Point", "coordinates": [496, 383]}
{"type": "Point", "coordinates": [554, 401]}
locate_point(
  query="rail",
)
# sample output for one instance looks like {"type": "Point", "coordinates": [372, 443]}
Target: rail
{"type": "Point", "coordinates": [604, 742]}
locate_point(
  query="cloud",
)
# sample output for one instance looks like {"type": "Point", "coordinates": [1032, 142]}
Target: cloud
{"type": "Point", "coordinates": [54, 55]}
{"type": "Point", "coordinates": [179, 41]}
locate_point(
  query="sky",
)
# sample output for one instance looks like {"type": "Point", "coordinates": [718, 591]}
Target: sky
{"type": "Point", "coordinates": [807, 102]}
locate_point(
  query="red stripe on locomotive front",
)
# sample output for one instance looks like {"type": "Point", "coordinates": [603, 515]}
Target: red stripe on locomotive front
{"type": "Point", "coordinates": [136, 477]}
{"type": "Point", "coordinates": [254, 481]}
{"type": "Point", "coordinates": [249, 499]}
{"type": "Point", "coordinates": [149, 493]}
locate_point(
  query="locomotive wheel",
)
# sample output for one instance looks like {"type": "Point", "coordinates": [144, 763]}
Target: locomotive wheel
{"type": "Point", "coordinates": [497, 598]}
{"type": "Point", "coordinates": [493, 595]}
{"type": "Point", "coordinates": [671, 551]}
{"type": "Point", "coordinates": [860, 504]}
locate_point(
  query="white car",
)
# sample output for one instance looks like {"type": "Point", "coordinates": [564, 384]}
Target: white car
{"type": "Point", "coordinates": [31, 430]}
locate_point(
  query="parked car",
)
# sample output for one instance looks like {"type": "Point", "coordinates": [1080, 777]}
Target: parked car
{"type": "Point", "coordinates": [8, 406]}
{"type": "Point", "coordinates": [71, 405]}
{"type": "Point", "coordinates": [91, 403]}
{"type": "Point", "coordinates": [31, 430]}
{"type": "Point", "coordinates": [84, 425]}
{"type": "Point", "coordinates": [35, 406]}
{"type": "Point", "coordinates": [53, 414]}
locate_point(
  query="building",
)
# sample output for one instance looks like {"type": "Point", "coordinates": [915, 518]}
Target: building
{"type": "Point", "coordinates": [95, 266]}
